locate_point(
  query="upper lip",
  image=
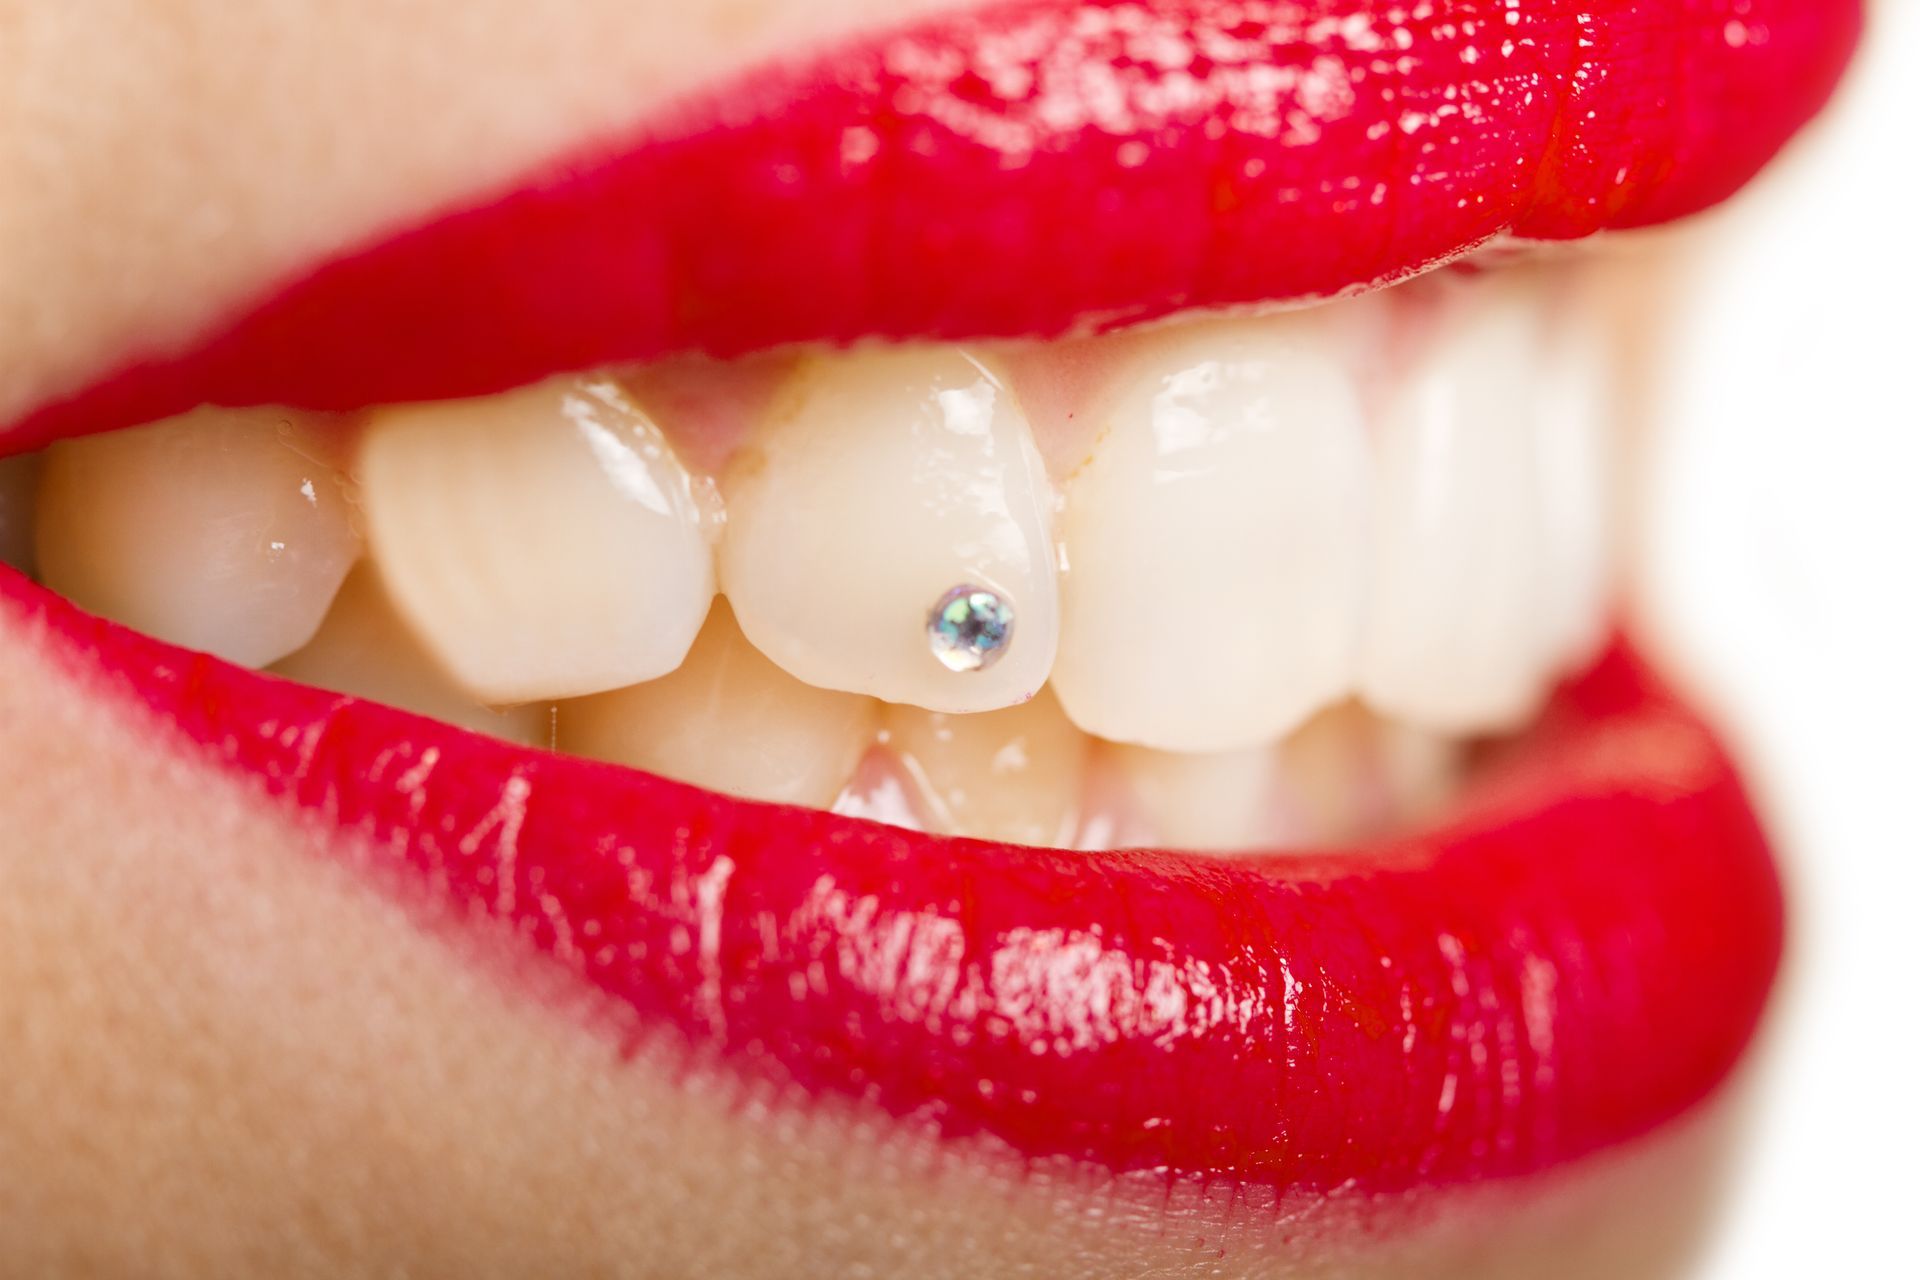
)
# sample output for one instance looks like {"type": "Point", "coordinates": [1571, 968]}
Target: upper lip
{"type": "Point", "coordinates": [1578, 962]}
{"type": "Point", "coordinates": [1030, 168]}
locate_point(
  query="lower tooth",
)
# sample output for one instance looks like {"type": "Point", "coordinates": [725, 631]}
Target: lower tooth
{"type": "Point", "coordinates": [881, 790]}
{"type": "Point", "coordinates": [729, 720]}
{"type": "Point", "coordinates": [1202, 801]}
{"type": "Point", "coordinates": [19, 487]}
{"type": "Point", "coordinates": [542, 544]}
{"type": "Point", "coordinates": [1013, 774]}
{"type": "Point", "coordinates": [222, 530]}
{"type": "Point", "coordinates": [1453, 638]}
{"type": "Point", "coordinates": [1346, 776]}
{"type": "Point", "coordinates": [364, 649]}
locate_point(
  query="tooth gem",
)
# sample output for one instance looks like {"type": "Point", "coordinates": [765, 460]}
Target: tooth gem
{"type": "Point", "coordinates": [969, 628]}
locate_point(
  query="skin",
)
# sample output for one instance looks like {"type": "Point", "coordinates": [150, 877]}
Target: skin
{"type": "Point", "coordinates": [228, 1054]}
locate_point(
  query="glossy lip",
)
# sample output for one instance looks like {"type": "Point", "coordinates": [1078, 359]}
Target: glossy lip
{"type": "Point", "coordinates": [1582, 955]}
{"type": "Point", "coordinates": [1032, 168]}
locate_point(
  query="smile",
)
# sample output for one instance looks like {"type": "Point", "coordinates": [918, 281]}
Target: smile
{"type": "Point", "coordinates": [1051, 572]}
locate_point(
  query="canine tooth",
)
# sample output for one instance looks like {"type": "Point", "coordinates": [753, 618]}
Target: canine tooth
{"type": "Point", "coordinates": [364, 649]}
{"type": "Point", "coordinates": [19, 490]}
{"type": "Point", "coordinates": [1215, 542]}
{"type": "Point", "coordinates": [1454, 638]}
{"type": "Point", "coordinates": [1203, 801]}
{"type": "Point", "coordinates": [1013, 774]}
{"type": "Point", "coordinates": [220, 530]}
{"type": "Point", "coordinates": [879, 482]}
{"type": "Point", "coordinates": [542, 544]}
{"type": "Point", "coordinates": [728, 719]}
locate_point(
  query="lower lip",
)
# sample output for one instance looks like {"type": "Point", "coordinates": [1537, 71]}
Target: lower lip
{"type": "Point", "coordinates": [1580, 956]}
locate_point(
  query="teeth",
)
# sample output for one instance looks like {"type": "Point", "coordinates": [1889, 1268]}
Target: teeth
{"type": "Point", "coordinates": [1013, 774]}
{"type": "Point", "coordinates": [729, 720]}
{"type": "Point", "coordinates": [364, 649]}
{"type": "Point", "coordinates": [1301, 561]}
{"type": "Point", "coordinates": [1576, 407]}
{"type": "Point", "coordinates": [1200, 801]}
{"type": "Point", "coordinates": [882, 791]}
{"type": "Point", "coordinates": [881, 481]}
{"type": "Point", "coordinates": [1454, 638]}
{"type": "Point", "coordinates": [1347, 774]}
{"type": "Point", "coordinates": [19, 489]}
{"type": "Point", "coordinates": [542, 544]}
{"type": "Point", "coordinates": [220, 530]}
{"type": "Point", "coordinates": [1215, 542]}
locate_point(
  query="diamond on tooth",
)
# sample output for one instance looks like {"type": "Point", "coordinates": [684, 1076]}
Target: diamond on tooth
{"type": "Point", "coordinates": [542, 544]}
{"type": "Point", "coordinates": [1012, 774]}
{"type": "Point", "coordinates": [221, 530]}
{"type": "Point", "coordinates": [730, 720]}
{"type": "Point", "coordinates": [879, 481]}
{"type": "Point", "coordinates": [1215, 541]}
{"type": "Point", "coordinates": [969, 628]}
{"type": "Point", "coordinates": [364, 649]}
{"type": "Point", "coordinates": [1455, 638]}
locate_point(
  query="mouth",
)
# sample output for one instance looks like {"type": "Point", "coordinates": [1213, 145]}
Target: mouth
{"type": "Point", "coordinates": [771, 564]}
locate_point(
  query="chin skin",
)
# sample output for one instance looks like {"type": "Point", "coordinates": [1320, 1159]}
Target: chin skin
{"type": "Point", "coordinates": [199, 1085]}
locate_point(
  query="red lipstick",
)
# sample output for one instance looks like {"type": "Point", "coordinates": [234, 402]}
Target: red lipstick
{"type": "Point", "coordinates": [1033, 168]}
{"type": "Point", "coordinates": [1581, 956]}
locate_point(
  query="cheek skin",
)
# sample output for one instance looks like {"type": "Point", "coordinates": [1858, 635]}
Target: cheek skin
{"type": "Point", "coordinates": [229, 1054]}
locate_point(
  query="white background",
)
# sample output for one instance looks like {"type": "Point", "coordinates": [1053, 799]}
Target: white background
{"type": "Point", "coordinates": [1785, 561]}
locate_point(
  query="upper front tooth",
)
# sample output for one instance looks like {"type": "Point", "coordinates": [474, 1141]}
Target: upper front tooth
{"type": "Point", "coordinates": [1454, 639]}
{"type": "Point", "coordinates": [728, 719]}
{"type": "Point", "coordinates": [1214, 542]}
{"type": "Point", "coordinates": [542, 544]}
{"type": "Point", "coordinates": [879, 482]}
{"type": "Point", "coordinates": [221, 530]}
{"type": "Point", "coordinates": [364, 649]}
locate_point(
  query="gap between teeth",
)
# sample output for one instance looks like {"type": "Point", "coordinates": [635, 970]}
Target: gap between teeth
{"type": "Point", "coordinates": [1265, 576]}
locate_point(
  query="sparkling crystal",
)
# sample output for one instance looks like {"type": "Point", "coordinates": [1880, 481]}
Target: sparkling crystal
{"type": "Point", "coordinates": [969, 628]}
